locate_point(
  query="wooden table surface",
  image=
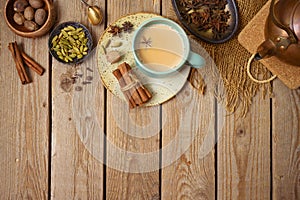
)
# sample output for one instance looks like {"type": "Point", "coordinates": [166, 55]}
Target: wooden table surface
{"type": "Point", "coordinates": [43, 140]}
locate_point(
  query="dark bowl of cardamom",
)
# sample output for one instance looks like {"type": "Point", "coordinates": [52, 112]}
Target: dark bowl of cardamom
{"type": "Point", "coordinates": [70, 43]}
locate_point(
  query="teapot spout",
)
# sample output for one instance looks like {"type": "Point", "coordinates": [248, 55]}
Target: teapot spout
{"type": "Point", "coordinates": [266, 49]}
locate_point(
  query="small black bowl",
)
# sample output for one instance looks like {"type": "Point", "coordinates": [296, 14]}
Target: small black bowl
{"type": "Point", "coordinates": [57, 30]}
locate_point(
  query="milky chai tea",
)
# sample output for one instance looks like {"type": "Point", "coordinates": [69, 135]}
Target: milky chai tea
{"type": "Point", "coordinates": [159, 47]}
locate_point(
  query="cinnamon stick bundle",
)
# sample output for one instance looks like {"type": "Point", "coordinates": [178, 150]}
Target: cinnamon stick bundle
{"type": "Point", "coordinates": [135, 93]}
{"type": "Point", "coordinates": [22, 58]}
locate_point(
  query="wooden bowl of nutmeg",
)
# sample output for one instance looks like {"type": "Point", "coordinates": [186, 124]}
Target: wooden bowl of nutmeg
{"type": "Point", "coordinates": [30, 18]}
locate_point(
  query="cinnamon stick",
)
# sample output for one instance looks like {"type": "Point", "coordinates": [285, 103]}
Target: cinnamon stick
{"type": "Point", "coordinates": [32, 64]}
{"type": "Point", "coordinates": [149, 95]}
{"type": "Point", "coordinates": [133, 90]}
{"type": "Point", "coordinates": [13, 47]}
{"type": "Point", "coordinates": [118, 75]}
{"type": "Point", "coordinates": [143, 92]}
{"type": "Point", "coordinates": [21, 75]}
{"type": "Point", "coordinates": [20, 61]}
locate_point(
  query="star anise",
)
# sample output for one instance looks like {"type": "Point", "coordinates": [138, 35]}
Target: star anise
{"type": "Point", "coordinates": [192, 5]}
{"type": "Point", "coordinates": [216, 34]}
{"type": "Point", "coordinates": [146, 42]}
{"type": "Point", "coordinates": [115, 30]}
{"type": "Point", "coordinates": [205, 27]}
{"type": "Point", "coordinates": [205, 14]}
{"type": "Point", "coordinates": [225, 17]}
{"type": "Point", "coordinates": [127, 26]}
{"type": "Point", "coordinates": [216, 24]}
{"type": "Point", "coordinates": [183, 2]}
{"type": "Point", "coordinates": [196, 18]}
{"type": "Point", "coordinates": [217, 14]}
{"type": "Point", "coordinates": [222, 4]}
{"type": "Point", "coordinates": [184, 15]}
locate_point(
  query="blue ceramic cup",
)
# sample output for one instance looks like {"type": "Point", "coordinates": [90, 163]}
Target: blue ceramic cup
{"type": "Point", "coordinates": [186, 55]}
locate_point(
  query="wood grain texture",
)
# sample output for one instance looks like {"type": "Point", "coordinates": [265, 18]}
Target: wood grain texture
{"type": "Point", "coordinates": [130, 136]}
{"type": "Point", "coordinates": [239, 169]}
{"type": "Point", "coordinates": [130, 131]}
{"type": "Point", "coordinates": [75, 173]}
{"type": "Point", "coordinates": [190, 176]}
{"type": "Point", "coordinates": [190, 117]}
{"type": "Point", "coordinates": [24, 110]}
{"type": "Point", "coordinates": [286, 142]}
{"type": "Point", "coordinates": [243, 164]}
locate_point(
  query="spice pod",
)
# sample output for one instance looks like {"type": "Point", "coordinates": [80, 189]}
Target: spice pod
{"type": "Point", "coordinates": [213, 22]}
{"type": "Point", "coordinates": [70, 43]}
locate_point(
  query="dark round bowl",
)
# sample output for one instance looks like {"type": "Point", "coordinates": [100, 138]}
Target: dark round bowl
{"type": "Point", "coordinates": [21, 30]}
{"type": "Point", "coordinates": [57, 30]}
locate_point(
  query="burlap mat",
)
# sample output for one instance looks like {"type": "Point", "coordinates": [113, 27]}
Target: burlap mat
{"type": "Point", "coordinates": [231, 59]}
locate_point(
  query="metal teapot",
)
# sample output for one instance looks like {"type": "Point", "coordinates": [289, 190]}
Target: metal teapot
{"type": "Point", "coordinates": [282, 32]}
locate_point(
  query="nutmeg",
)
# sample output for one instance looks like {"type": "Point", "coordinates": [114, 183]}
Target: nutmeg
{"type": "Point", "coordinates": [36, 3]}
{"type": "Point", "coordinates": [30, 25]}
{"type": "Point", "coordinates": [40, 16]}
{"type": "Point", "coordinates": [19, 18]}
{"type": "Point", "coordinates": [20, 5]}
{"type": "Point", "coordinates": [29, 13]}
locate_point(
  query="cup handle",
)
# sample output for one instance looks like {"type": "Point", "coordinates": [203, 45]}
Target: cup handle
{"type": "Point", "coordinates": [195, 60]}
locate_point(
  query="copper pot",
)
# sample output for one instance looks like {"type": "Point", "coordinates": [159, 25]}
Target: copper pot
{"type": "Point", "coordinates": [282, 32]}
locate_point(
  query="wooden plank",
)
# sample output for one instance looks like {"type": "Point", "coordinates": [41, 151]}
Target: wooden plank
{"type": "Point", "coordinates": [243, 158]}
{"type": "Point", "coordinates": [24, 110]}
{"type": "Point", "coordinates": [286, 141]}
{"type": "Point", "coordinates": [191, 115]}
{"type": "Point", "coordinates": [127, 131]}
{"type": "Point", "coordinates": [191, 176]}
{"type": "Point", "coordinates": [243, 151]}
{"type": "Point", "coordinates": [75, 172]}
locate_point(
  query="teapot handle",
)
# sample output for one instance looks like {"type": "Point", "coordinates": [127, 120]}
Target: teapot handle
{"type": "Point", "coordinates": [292, 36]}
{"type": "Point", "coordinates": [251, 76]}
